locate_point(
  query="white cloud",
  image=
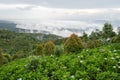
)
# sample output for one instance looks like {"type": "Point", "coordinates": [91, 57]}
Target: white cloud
{"type": "Point", "coordinates": [13, 6]}
{"type": "Point", "coordinates": [27, 11]}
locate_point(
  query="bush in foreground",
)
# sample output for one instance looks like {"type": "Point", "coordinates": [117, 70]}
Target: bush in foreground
{"type": "Point", "coordinates": [33, 65]}
{"type": "Point", "coordinates": [90, 64]}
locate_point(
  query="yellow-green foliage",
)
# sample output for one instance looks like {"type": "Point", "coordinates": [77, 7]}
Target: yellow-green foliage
{"type": "Point", "coordinates": [73, 44]}
{"type": "Point", "coordinates": [39, 49]}
{"type": "Point", "coordinates": [49, 48]}
{"type": "Point", "coordinates": [93, 44]}
{"type": "Point", "coordinates": [7, 56]}
{"type": "Point", "coordinates": [1, 57]}
{"type": "Point", "coordinates": [115, 39]}
{"type": "Point", "coordinates": [18, 54]}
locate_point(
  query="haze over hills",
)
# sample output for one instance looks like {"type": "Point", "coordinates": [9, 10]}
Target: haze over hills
{"type": "Point", "coordinates": [58, 27]}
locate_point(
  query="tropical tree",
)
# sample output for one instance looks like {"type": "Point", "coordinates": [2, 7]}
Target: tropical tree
{"type": "Point", "coordinates": [49, 48]}
{"type": "Point", "coordinates": [85, 37]}
{"type": "Point", "coordinates": [93, 35]}
{"type": "Point", "coordinates": [73, 44]}
{"type": "Point", "coordinates": [118, 31]}
{"type": "Point", "coordinates": [108, 30]}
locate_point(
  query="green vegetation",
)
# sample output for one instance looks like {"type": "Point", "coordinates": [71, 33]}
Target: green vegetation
{"type": "Point", "coordinates": [73, 44]}
{"type": "Point", "coordinates": [108, 30]}
{"type": "Point", "coordinates": [39, 49]}
{"type": "Point", "coordinates": [101, 63]}
{"type": "Point", "coordinates": [1, 57]}
{"type": "Point", "coordinates": [12, 42]}
{"type": "Point", "coordinates": [25, 56]}
{"type": "Point", "coordinates": [49, 48]}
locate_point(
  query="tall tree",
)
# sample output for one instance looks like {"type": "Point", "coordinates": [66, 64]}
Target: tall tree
{"type": "Point", "coordinates": [85, 37]}
{"type": "Point", "coordinates": [108, 30]}
{"type": "Point", "coordinates": [118, 31]}
{"type": "Point", "coordinates": [93, 35]}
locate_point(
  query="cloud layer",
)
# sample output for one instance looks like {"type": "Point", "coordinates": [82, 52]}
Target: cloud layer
{"type": "Point", "coordinates": [68, 3]}
{"type": "Point", "coordinates": [27, 11]}
{"type": "Point", "coordinates": [64, 14]}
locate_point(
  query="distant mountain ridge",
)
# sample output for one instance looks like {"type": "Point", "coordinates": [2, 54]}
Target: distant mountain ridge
{"type": "Point", "coordinates": [5, 21]}
{"type": "Point", "coordinates": [57, 27]}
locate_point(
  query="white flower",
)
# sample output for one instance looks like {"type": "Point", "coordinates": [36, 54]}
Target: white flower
{"type": "Point", "coordinates": [108, 39]}
{"type": "Point", "coordinates": [98, 69]}
{"type": "Point", "coordinates": [87, 50]}
{"type": "Point", "coordinates": [64, 67]}
{"type": "Point", "coordinates": [81, 56]}
{"type": "Point", "coordinates": [117, 56]}
{"type": "Point", "coordinates": [118, 62]}
{"type": "Point", "coordinates": [112, 58]}
{"type": "Point", "coordinates": [114, 66]}
{"type": "Point", "coordinates": [51, 55]}
{"type": "Point", "coordinates": [114, 50]}
{"type": "Point", "coordinates": [81, 61]}
{"type": "Point", "coordinates": [72, 76]}
{"type": "Point", "coordinates": [105, 58]}
{"type": "Point", "coordinates": [19, 79]}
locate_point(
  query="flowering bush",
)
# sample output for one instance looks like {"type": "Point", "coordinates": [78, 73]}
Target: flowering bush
{"type": "Point", "coordinates": [33, 65]}
{"type": "Point", "coordinates": [90, 64]}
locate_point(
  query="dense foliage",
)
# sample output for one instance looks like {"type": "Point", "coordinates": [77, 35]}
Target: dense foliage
{"type": "Point", "coordinates": [1, 57]}
{"type": "Point", "coordinates": [39, 49]}
{"type": "Point", "coordinates": [108, 30]}
{"type": "Point", "coordinates": [25, 56]}
{"type": "Point", "coordinates": [49, 48]}
{"type": "Point", "coordinates": [101, 63]}
{"type": "Point", "coordinates": [12, 42]}
{"type": "Point", "coordinates": [73, 44]}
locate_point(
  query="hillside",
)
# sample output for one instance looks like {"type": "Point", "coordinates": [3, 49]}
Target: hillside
{"type": "Point", "coordinates": [102, 63]}
{"type": "Point", "coordinates": [11, 42]}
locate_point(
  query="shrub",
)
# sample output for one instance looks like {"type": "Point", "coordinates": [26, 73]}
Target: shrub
{"type": "Point", "coordinates": [59, 50]}
{"type": "Point", "coordinates": [115, 39]}
{"type": "Point", "coordinates": [73, 44]}
{"type": "Point", "coordinates": [33, 65]}
{"type": "Point", "coordinates": [18, 54]}
{"type": "Point", "coordinates": [39, 49]}
{"type": "Point", "coordinates": [7, 56]}
{"type": "Point", "coordinates": [49, 48]}
{"type": "Point", "coordinates": [93, 44]}
{"type": "Point", "coordinates": [5, 60]}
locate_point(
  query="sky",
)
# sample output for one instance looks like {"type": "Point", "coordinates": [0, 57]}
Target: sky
{"type": "Point", "coordinates": [60, 9]}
